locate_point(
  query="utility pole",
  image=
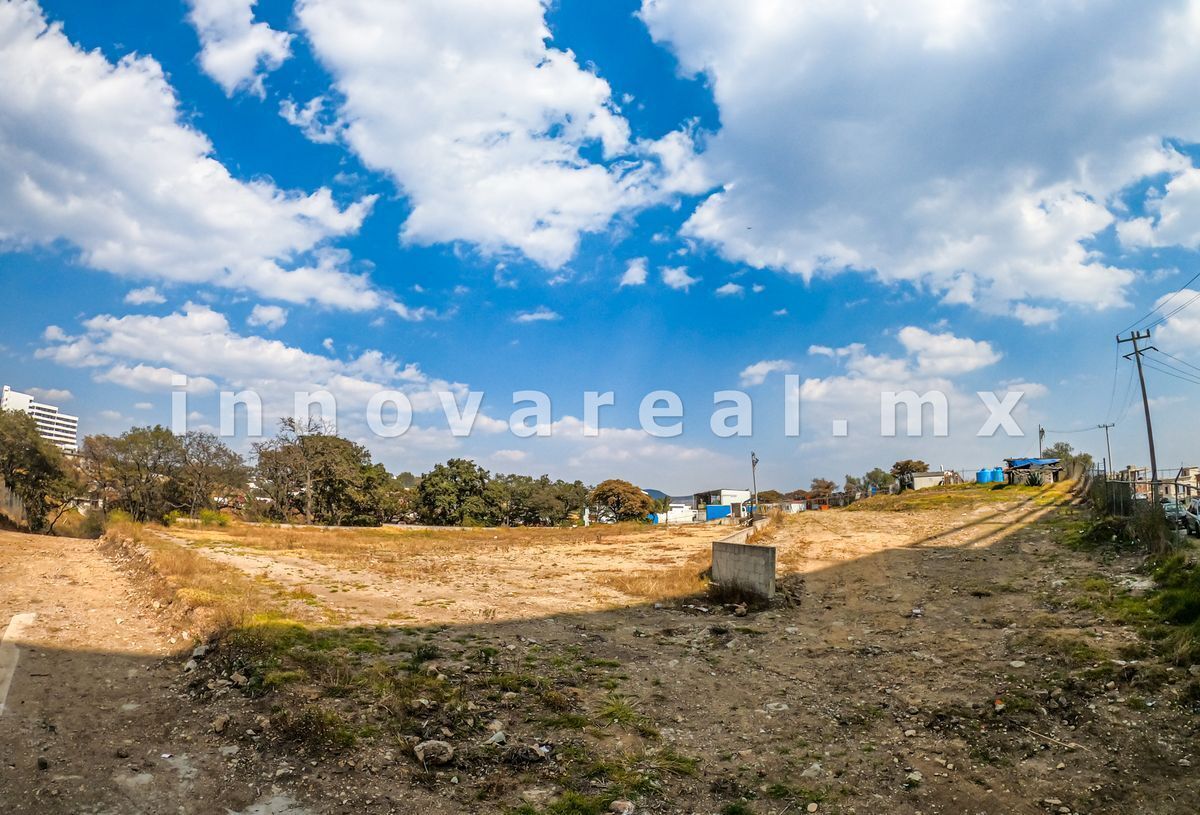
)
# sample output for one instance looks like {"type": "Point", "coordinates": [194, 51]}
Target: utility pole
{"type": "Point", "coordinates": [754, 481]}
{"type": "Point", "coordinates": [1108, 462]}
{"type": "Point", "coordinates": [1134, 337]}
{"type": "Point", "coordinates": [1041, 439]}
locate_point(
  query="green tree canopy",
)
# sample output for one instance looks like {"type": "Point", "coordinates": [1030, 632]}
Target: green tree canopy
{"type": "Point", "coordinates": [625, 501]}
{"type": "Point", "coordinates": [34, 469]}
{"type": "Point", "coordinates": [880, 479]}
{"type": "Point", "coordinates": [909, 466]}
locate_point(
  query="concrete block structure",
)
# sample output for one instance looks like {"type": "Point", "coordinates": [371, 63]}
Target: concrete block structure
{"type": "Point", "coordinates": [746, 567]}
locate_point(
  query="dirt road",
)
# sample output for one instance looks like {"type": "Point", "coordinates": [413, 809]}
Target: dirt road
{"type": "Point", "coordinates": [90, 719]}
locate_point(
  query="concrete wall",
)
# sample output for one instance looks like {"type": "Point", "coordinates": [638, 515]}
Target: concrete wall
{"type": "Point", "coordinates": [747, 567]}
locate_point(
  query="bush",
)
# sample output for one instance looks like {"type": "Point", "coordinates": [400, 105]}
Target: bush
{"type": "Point", "coordinates": [212, 517]}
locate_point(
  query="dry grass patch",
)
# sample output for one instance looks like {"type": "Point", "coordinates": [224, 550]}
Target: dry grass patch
{"type": "Point", "coordinates": [215, 596]}
{"type": "Point", "coordinates": [668, 583]}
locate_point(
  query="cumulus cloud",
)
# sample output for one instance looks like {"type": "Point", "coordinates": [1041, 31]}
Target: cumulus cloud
{"type": "Point", "coordinates": [234, 50]}
{"type": "Point", "coordinates": [677, 277]}
{"type": "Point", "coordinates": [635, 273]}
{"type": "Point", "coordinates": [145, 296]}
{"type": "Point", "coordinates": [541, 314]}
{"type": "Point", "coordinates": [311, 119]}
{"type": "Point", "coordinates": [271, 317]}
{"type": "Point", "coordinates": [483, 124]}
{"type": "Point", "coordinates": [975, 151]}
{"type": "Point", "coordinates": [143, 352]}
{"type": "Point", "coordinates": [730, 289]}
{"type": "Point", "coordinates": [757, 373]}
{"type": "Point", "coordinates": [853, 394]}
{"type": "Point", "coordinates": [945, 354]}
{"type": "Point", "coordinates": [53, 395]}
{"type": "Point", "coordinates": [96, 154]}
{"type": "Point", "coordinates": [1180, 333]}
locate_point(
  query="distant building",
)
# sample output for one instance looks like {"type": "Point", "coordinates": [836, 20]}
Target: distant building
{"type": "Point", "coordinates": [721, 503]}
{"type": "Point", "coordinates": [53, 425]}
{"type": "Point", "coordinates": [931, 479]}
{"type": "Point", "coordinates": [1022, 470]}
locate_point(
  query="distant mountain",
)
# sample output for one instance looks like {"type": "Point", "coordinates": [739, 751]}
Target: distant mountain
{"type": "Point", "coordinates": [657, 495]}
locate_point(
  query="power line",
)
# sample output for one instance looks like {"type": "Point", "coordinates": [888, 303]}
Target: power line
{"type": "Point", "coordinates": [1170, 372]}
{"type": "Point", "coordinates": [1177, 359]}
{"type": "Point", "coordinates": [1127, 399]}
{"type": "Point", "coordinates": [1150, 313]}
{"type": "Point", "coordinates": [1112, 396]}
{"type": "Point", "coordinates": [1173, 312]}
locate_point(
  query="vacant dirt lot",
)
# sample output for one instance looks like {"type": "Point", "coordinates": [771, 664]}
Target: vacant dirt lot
{"type": "Point", "coordinates": [953, 658]}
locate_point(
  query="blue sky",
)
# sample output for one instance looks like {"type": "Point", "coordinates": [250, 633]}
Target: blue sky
{"type": "Point", "coordinates": [451, 194]}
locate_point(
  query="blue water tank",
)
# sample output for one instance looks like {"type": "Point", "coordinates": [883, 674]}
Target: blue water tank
{"type": "Point", "coordinates": [983, 477]}
{"type": "Point", "coordinates": [998, 475]}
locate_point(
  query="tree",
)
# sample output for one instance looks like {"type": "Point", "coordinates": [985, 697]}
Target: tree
{"type": "Point", "coordinates": [880, 479]}
{"type": "Point", "coordinates": [138, 471]}
{"type": "Point", "coordinates": [854, 486]}
{"type": "Point", "coordinates": [662, 506]}
{"type": "Point", "coordinates": [770, 497]}
{"type": "Point", "coordinates": [1067, 456]}
{"type": "Point", "coordinates": [909, 466]}
{"type": "Point", "coordinates": [324, 477]}
{"type": "Point", "coordinates": [625, 501]}
{"type": "Point", "coordinates": [35, 470]}
{"type": "Point", "coordinates": [822, 488]}
{"type": "Point", "coordinates": [453, 493]}
{"type": "Point", "coordinates": [211, 471]}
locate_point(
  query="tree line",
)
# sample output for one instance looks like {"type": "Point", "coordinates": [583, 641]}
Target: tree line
{"type": "Point", "coordinates": [305, 474]}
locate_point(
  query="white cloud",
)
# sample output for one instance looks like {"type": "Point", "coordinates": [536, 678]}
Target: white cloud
{"type": "Point", "coordinates": [235, 50]}
{"type": "Point", "coordinates": [1035, 315]}
{"type": "Point", "coordinates": [142, 352]}
{"type": "Point", "coordinates": [780, 312]}
{"type": "Point", "coordinates": [96, 154]}
{"type": "Point", "coordinates": [1180, 334]}
{"type": "Point", "coordinates": [143, 405]}
{"type": "Point", "coordinates": [271, 317]}
{"type": "Point", "coordinates": [145, 296]}
{"type": "Point", "coordinates": [677, 277]}
{"type": "Point", "coordinates": [509, 456]}
{"type": "Point", "coordinates": [310, 119]}
{"type": "Point", "coordinates": [541, 314]}
{"type": "Point", "coordinates": [730, 289]}
{"type": "Point", "coordinates": [854, 395]}
{"type": "Point", "coordinates": [757, 373]}
{"type": "Point", "coordinates": [52, 395]}
{"type": "Point", "coordinates": [635, 273]}
{"type": "Point", "coordinates": [483, 124]}
{"type": "Point", "coordinates": [973, 149]}
{"type": "Point", "coordinates": [945, 354]}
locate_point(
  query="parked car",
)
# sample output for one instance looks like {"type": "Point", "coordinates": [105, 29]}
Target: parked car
{"type": "Point", "coordinates": [1176, 513]}
{"type": "Point", "coordinates": [1191, 516]}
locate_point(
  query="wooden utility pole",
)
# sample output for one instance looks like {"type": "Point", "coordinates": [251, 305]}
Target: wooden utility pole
{"type": "Point", "coordinates": [1134, 337]}
{"type": "Point", "coordinates": [1108, 462]}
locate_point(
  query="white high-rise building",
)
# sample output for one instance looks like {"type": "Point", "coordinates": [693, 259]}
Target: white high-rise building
{"type": "Point", "coordinates": [54, 426]}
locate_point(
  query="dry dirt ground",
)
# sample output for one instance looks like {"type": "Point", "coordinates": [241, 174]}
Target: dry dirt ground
{"type": "Point", "coordinates": [932, 661]}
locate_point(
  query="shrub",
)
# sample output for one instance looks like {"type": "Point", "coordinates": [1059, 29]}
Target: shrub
{"type": "Point", "coordinates": [212, 517]}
